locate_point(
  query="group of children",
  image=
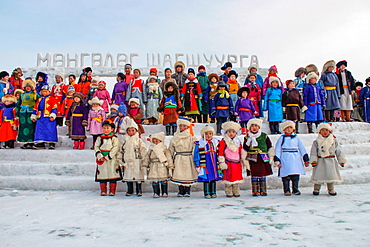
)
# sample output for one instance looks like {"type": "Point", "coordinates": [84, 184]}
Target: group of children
{"type": "Point", "coordinates": [188, 161]}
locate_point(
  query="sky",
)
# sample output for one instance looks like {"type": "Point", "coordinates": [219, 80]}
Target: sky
{"type": "Point", "coordinates": [288, 34]}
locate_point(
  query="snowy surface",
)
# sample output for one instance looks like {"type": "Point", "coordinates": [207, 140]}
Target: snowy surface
{"type": "Point", "coordinates": [62, 218]}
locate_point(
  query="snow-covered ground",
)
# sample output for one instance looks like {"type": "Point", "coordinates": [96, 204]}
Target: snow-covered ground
{"type": "Point", "coordinates": [66, 218]}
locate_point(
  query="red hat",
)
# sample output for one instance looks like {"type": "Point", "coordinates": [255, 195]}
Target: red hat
{"type": "Point", "coordinates": [288, 82]}
{"type": "Point", "coordinates": [153, 70]}
{"type": "Point", "coordinates": [201, 67]}
{"type": "Point", "coordinates": [273, 67]}
{"type": "Point", "coordinates": [102, 82]}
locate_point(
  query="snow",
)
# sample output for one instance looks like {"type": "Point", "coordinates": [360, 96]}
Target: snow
{"type": "Point", "coordinates": [84, 218]}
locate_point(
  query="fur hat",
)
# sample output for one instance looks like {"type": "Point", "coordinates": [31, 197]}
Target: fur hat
{"type": "Point", "coordinates": [181, 64]}
{"type": "Point", "coordinates": [136, 100]}
{"type": "Point", "coordinates": [243, 89]}
{"type": "Point", "coordinates": [152, 77]}
{"type": "Point", "coordinates": [114, 106]}
{"type": "Point", "coordinates": [18, 91]}
{"type": "Point", "coordinates": [324, 126]}
{"type": "Point", "coordinates": [299, 72]}
{"type": "Point", "coordinates": [122, 108]}
{"type": "Point", "coordinates": [46, 87]}
{"type": "Point", "coordinates": [201, 67]}
{"type": "Point", "coordinates": [95, 79]}
{"type": "Point", "coordinates": [9, 97]}
{"type": "Point", "coordinates": [213, 75]}
{"type": "Point", "coordinates": [17, 71]}
{"type": "Point", "coordinates": [159, 136]}
{"type": "Point", "coordinates": [60, 75]}
{"type": "Point", "coordinates": [95, 100]}
{"type": "Point", "coordinates": [340, 63]}
{"type": "Point", "coordinates": [286, 124]}
{"type": "Point", "coordinates": [255, 121]}
{"type": "Point", "coordinates": [232, 72]}
{"type": "Point", "coordinates": [102, 82]}
{"type": "Point", "coordinates": [273, 78]}
{"type": "Point", "coordinates": [274, 68]}
{"type": "Point", "coordinates": [230, 126]}
{"type": "Point", "coordinates": [227, 65]}
{"type": "Point", "coordinates": [312, 68]}
{"type": "Point", "coordinates": [112, 125]}
{"type": "Point", "coordinates": [131, 124]}
{"type": "Point", "coordinates": [206, 129]}
{"type": "Point", "coordinates": [78, 95]}
{"type": "Point", "coordinates": [153, 70]}
{"type": "Point", "coordinates": [184, 121]}
{"type": "Point", "coordinates": [3, 74]}
{"type": "Point", "coordinates": [359, 84]}
{"type": "Point", "coordinates": [288, 82]}
{"type": "Point", "coordinates": [252, 67]}
{"type": "Point", "coordinates": [330, 63]}
{"type": "Point", "coordinates": [191, 70]}
{"type": "Point", "coordinates": [172, 84]}
{"type": "Point", "coordinates": [310, 76]}
{"type": "Point", "coordinates": [30, 83]}
{"type": "Point", "coordinates": [42, 75]}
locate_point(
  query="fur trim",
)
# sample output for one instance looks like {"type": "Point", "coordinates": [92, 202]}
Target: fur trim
{"type": "Point", "coordinates": [271, 154]}
{"type": "Point", "coordinates": [324, 126]}
{"type": "Point", "coordinates": [342, 160]}
{"type": "Point", "coordinates": [253, 66]}
{"type": "Point", "coordinates": [312, 75]}
{"type": "Point", "coordinates": [9, 97]}
{"type": "Point", "coordinates": [131, 124]}
{"type": "Point", "coordinates": [207, 128]}
{"type": "Point", "coordinates": [33, 117]}
{"type": "Point", "coordinates": [287, 124]}
{"type": "Point", "coordinates": [230, 125]}
{"type": "Point", "coordinates": [179, 63]}
{"type": "Point", "coordinates": [213, 75]}
{"type": "Point", "coordinates": [95, 79]}
{"type": "Point", "coordinates": [60, 75]}
{"type": "Point", "coordinates": [170, 83]}
{"type": "Point", "coordinates": [232, 144]}
{"type": "Point", "coordinates": [324, 144]}
{"type": "Point", "coordinates": [221, 159]}
{"type": "Point", "coordinates": [78, 95]}
{"type": "Point", "coordinates": [244, 160]}
{"type": "Point", "coordinates": [96, 100]}
{"type": "Point", "coordinates": [231, 183]}
{"type": "Point", "coordinates": [299, 71]}
{"type": "Point", "coordinates": [18, 91]}
{"type": "Point", "coordinates": [255, 121]}
{"type": "Point", "coordinates": [159, 136]}
{"type": "Point", "coordinates": [312, 68]}
{"type": "Point", "coordinates": [273, 78]}
{"type": "Point", "coordinates": [114, 106]}
{"type": "Point", "coordinates": [159, 150]}
{"type": "Point", "coordinates": [136, 100]}
{"type": "Point", "coordinates": [183, 122]}
{"type": "Point", "coordinates": [29, 82]}
{"type": "Point", "coordinates": [53, 115]}
{"type": "Point", "coordinates": [152, 77]}
{"type": "Point", "coordinates": [327, 65]}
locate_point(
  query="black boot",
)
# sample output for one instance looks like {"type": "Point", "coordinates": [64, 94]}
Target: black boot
{"type": "Point", "coordinates": [6, 144]}
{"type": "Point", "coordinates": [309, 127]}
{"type": "Point", "coordinates": [130, 188]}
{"type": "Point", "coordinates": [277, 131]}
{"type": "Point", "coordinates": [207, 190]}
{"type": "Point", "coordinates": [40, 145]}
{"type": "Point", "coordinates": [164, 189]}
{"type": "Point", "coordinates": [286, 185]}
{"type": "Point", "coordinates": [199, 118]}
{"type": "Point", "coordinates": [272, 128]}
{"type": "Point", "coordinates": [295, 184]}
{"type": "Point", "coordinates": [174, 129]}
{"type": "Point", "coordinates": [187, 191]}
{"type": "Point", "coordinates": [263, 189]}
{"type": "Point", "coordinates": [155, 190]}
{"type": "Point", "coordinates": [213, 189]}
{"type": "Point", "coordinates": [205, 118]}
{"type": "Point", "coordinates": [213, 120]}
{"type": "Point", "coordinates": [296, 127]}
{"type": "Point", "coordinates": [139, 191]}
{"type": "Point", "coordinates": [51, 145]}
{"type": "Point", "coordinates": [11, 143]}
{"type": "Point", "coordinates": [218, 132]}
{"type": "Point", "coordinates": [168, 130]}
{"type": "Point", "coordinates": [181, 191]}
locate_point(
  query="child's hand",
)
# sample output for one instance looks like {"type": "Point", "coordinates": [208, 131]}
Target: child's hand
{"type": "Point", "coordinates": [342, 165]}
{"type": "Point", "coordinates": [198, 169]}
{"type": "Point", "coordinates": [200, 98]}
{"type": "Point", "coordinates": [52, 119]}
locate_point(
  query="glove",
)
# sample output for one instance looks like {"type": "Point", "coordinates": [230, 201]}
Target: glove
{"type": "Point", "coordinates": [223, 166]}
{"type": "Point", "coordinates": [314, 164]}
{"type": "Point", "coordinates": [304, 108]}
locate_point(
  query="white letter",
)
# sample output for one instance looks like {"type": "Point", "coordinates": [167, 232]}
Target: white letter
{"type": "Point", "coordinates": [254, 60]}
{"type": "Point", "coordinates": [58, 58]}
{"type": "Point", "coordinates": [220, 61]}
{"type": "Point", "coordinates": [167, 59]}
{"type": "Point", "coordinates": [232, 58]}
{"type": "Point", "coordinates": [153, 60]}
{"type": "Point", "coordinates": [132, 55]}
{"type": "Point", "coordinates": [241, 60]}
{"type": "Point", "coordinates": [177, 55]}
{"type": "Point", "coordinates": [191, 63]}
{"type": "Point", "coordinates": [83, 55]}
{"type": "Point", "coordinates": [46, 59]}
{"type": "Point", "coordinates": [208, 61]}
{"type": "Point", "coordinates": [69, 60]}
{"type": "Point", "coordinates": [108, 57]}
{"type": "Point", "coordinates": [119, 60]}
{"type": "Point", "coordinates": [96, 58]}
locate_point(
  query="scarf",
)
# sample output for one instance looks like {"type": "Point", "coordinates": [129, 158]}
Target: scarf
{"type": "Point", "coordinates": [192, 79]}
{"type": "Point", "coordinates": [324, 144]}
{"type": "Point", "coordinates": [232, 144]}
{"type": "Point", "coordinates": [153, 87]}
{"type": "Point", "coordinates": [232, 81]}
{"type": "Point", "coordinates": [178, 136]}
{"type": "Point", "coordinates": [202, 73]}
{"type": "Point", "coordinates": [224, 94]}
{"type": "Point", "coordinates": [252, 138]}
{"type": "Point", "coordinates": [96, 109]}
{"type": "Point", "coordinates": [158, 150]}
{"type": "Point", "coordinates": [130, 143]}
{"type": "Point", "coordinates": [269, 75]}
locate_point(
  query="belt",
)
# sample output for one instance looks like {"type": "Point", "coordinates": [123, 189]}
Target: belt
{"type": "Point", "coordinates": [345, 86]}
{"type": "Point", "coordinates": [331, 156]}
{"type": "Point", "coordinates": [154, 160]}
{"type": "Point", "coordinates": [244, 109]}
{"type": "Point", "coordinates": [314, 103]}
{"type": "Point", "coordinates": [99, 119]}
{"type": "Point", "coordinates": [274, 100]}
{"type": "Point", "coordinates": [123, 93]}
{"type": "Point", "coordinates": [222, 107]}
{"type": "Point", "coordinates": [330, 88]}
{"type": "Point", "coordinates": [290, 150]}
{"type": "Point", "coordinates": [292, 105]}
{"type": "Point", "coordinates": [253, 98]}
{"type": "Point", "coordinates": [184, 153]}
{"type": "Point", "coordinates": [77, 115]}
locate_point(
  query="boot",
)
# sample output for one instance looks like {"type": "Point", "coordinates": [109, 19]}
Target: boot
{"type": "Point", "coordinates": [93, 146]}
{"type": "Point", "coordinates": [286, 186]}
{"type": "Point", "coordinates": [51, 145]}
{"type": "Point", "coordinates": [164, 189]}
{"type": "Point", "coordinates": [228, 190]}
{"type": "Point", "coordinates": [130, 188]}
{"type": "Point", "coordinates": [112, 188]}
{"type": "Point", "coordinates": [331, 189]}
{"type": "Point", "coordinates": [11, 144]}
{"type": "Point", "coordinates": [181, 191]}
{"type": "Point", "coordinates": [295, 183]}
{"type": "Point", "coordinates": [236, 190]}
{"type": "Point", "coordinates": [168, 130]}
{"type": "Point", "coordinates": [82, 145]}
{"type": "Point", "coordinates": [205, 118]}
{"type": "Point", "coordinates": [207, 190]}
{"type": "Point", "coordinates": [342, 116]}
{"type": "Point", "coordinates": [316, 189]}
{"type": "Point", "coordinates": [272, 128]}
{"type": "Point", "coordinates": [348, 116]}
{"type": "Point", "coordinates": [309, 127]}
{"type": "Point", "coordinates": [255, 188]}
{"type": "Point", "coordinates": [199, 118]}
{"type": "Point", "coordinates": [6, 144]}
{"type": "Point", "coordinates": [103, 189]}
{"type": "Point", "coordinates": [296, 127]}
{"type": "Point", "coordinates": [139, 191]}
{"type": "Point", "coordinates": [174, 129]}
{"type": "Point", "coordinates": [263, 191]}
{"type": "Point", "coordinates": [155, 190]}
{"type": "Point", "coordinates": [40, 145]}
{"type": "Point", "coordinates": [76, 144]}
{"type": "Point", "coordinates": [244, 131]}
{"type": "Point", "coordinates": [218, 132]}
{"type": "Point", "coordinates": [213, 189]}
{"type": "Point", "coordinates": [277, 131]}
{"type": "Point", "coordinates": [187, 191]}
{"type": "Point", "coordinates": [213, 120]}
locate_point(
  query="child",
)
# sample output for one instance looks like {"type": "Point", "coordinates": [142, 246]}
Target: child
{"type": "Point", "coordinates": [258, 156]}
{"type": "Point", "coordinates": [95, 119]}
{"type": "Point", "coordinates": [365, 100]}
{"type": "Point", "coordinates": [132, 152]}
{"type": "Point", "coordinates": [346, 88]}
{"type": "Point", "coordinates": [167, 78]}
{"type": "Point", "coordinates": [44, 114]}
{"type": "Point", "coordinates": [180, 76]}
{"type": "Point", "coordinates": [119, 90]}
{"type": "Point", "coordinates": [272, 72]}
{"type": "Point", "coordinates": [88, 72]}
{"type": "Point", "coordinates": [72, 79]}
{"type": "Point", "coordinates": [83, 85]}
{"type": "Point", "coordinates": [158, 160]}
{"type": "Point", "coordinates": [107, 169]}
{"type": "Point", "coordinates": [253, 71]}
{"type": "Point", "coordinates": [153, 96]}
{"type": "Point", "coordinates": [67, 102]}
{"type": "Point", "coordinates": [93, 87]}
{"type": "Point", "coordinates": [8, 121]}
{"type": "Point", "coordinates": [129, 77]}
{"type": "Point", "coordinates": [171, 107]}
{"type": "Point", "coordinates": [272, 103]}
{"type": "Point", "coordinates": [244, 108]}
{"type": "Point", "coordinates": [15, 80]}
{"type": "Point", "coordinates": [292, 103]}
{"type": "Point", "coordinates": [4, 79]}
{"type": "Point", "coordinates": [205, 158]}
{"type": "Point", "coordinates": [357, 111]}
{"type": "Point", "coordinates": [136, 89]}
{"type": "Point", "coordinates": [299, 80]}
{"type": "Point", "coordinates": [332, 91]}
{"type": "Point", "coordinates": [229, 158]}
{"type": "Point", "coordinates": [121, 122]}
{"type": "Point", "coordinates": [288, 157]}
{"type": "Point", "coordinates": [313, 98]}
{"type": "Point", "coordinates": [204, 84]}
{"type": "Point", "coordinates": [103, 94]}
{"type": "Point", "coordinates": [77, 120]}
{"type": "Point", "coordinates": [191, 94]}
{"type": "Point", "coordinates": [325, 166]}
{"type": "Point", "coordinates": [255, 94]}
{"type": "Point", "coordinates": [182, 147]}
{"type": "Point", "coordinates": [226, 68]}
{"type": "Point", "coordinates": [41, 81]}
{"type": "Point", "coordinates": [113, 113]}
{"type": "Point", "coordinates": [222, 106]}
{"type": "Point", "coordinates": [58, 94]}
{"type": "Point", "coordinates": [136, 113]}
{"type": "Point", "coordinates": [233, 86]}
{"type": "Point", "coordinates": [25, 106]}
{"type": "Point", "coordinates": [211, 93]}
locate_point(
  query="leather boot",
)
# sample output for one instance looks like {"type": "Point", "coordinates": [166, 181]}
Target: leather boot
{"type": "Point", "coordinates": [168, 130]}
{"type": "Point", "coordinates": [11, 144]}
{"type": "Point", "coordinates": [139, 191]}
{"type": "Point", "coordinates": [277, 130]}
{"type": "Point", "coordinates": [93, 146]}
{"type": "Point", "coordinates": [112, 188]}
{"type": "Point", "coordinates": [155, 190]}
{"type": "Point", "coordinates": [213, 120]}
{"type": "Point", "coordinates": [40, 145]}
{"type": "Point", "coordinates": [164, 189]}
{"type": "Point", "coordinates": [316, 189]}
{"type": "Point", "coordinates": [272, 128]}
{"type": "Point", "coordinates": [181, 191]}
{"type": "Point", "coordinates": [51, 145]}
{"type": "Point", "coordinates": [205, 118]}
{"type": "Point", "coordinates": [309, 127]}
{"type": "Point", "coordinates": [187, 191]}
{"type": "Point", "coordinates": [213, 189]}
{"type": "Point", "coordinates": [207, 190]}
{"type": "Point", "coordinates": [348, 116]}
{"type": "Point", "coordinates": [295, 184]}
{"type": "Point", "coordinates": [286, 186]}
{"type": "Point", "coordinates": [218, 132]}
{"type": "Point", "coordinates": [297, 127]}
{"type": "Point", "coordinates": [263, 190]}
{"type": "Point", "coordinates": [103, 189]}
{"type": "Point", "coordinates": [331, 189]}
{"type": "Point", "coordinates": [82, 145]}
{"type": "Point", "coordinates": [228, 190]}
{"type": "Point", "coordinates": [130, 188]}
{"type": "Point", "coordinates": [255, 188]}
{"type": "Point", "coordinates": [236, 190]}
{"type": "Point", "coordinates": [76, 144]}
{"type": "Point", "coordinates": [174, 129]}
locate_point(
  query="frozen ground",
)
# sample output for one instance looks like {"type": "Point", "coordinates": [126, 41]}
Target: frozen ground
{"type": "Point", "coordinates": [73, 218]}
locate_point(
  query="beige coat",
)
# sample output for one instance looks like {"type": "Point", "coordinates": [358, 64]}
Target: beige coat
{"type": "Point", "coordinates": [326, 170]}
{"type": "Point", "coordinates": [182, 148]}
{"type": "Point", "coordinates": [158, 159]}
{"type": "Point", "coordinates": [110, 169]}
{"type": "Point", "coordinates": [131, 155]}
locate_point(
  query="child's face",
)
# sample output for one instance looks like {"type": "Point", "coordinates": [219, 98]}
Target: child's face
{"type": "Point", "coordinates": [213, 80]}
{"type": "Point", "coordinates": [302, 75]}
{"type": "Point", "coordinates": [252, 78]}
{"type": "Point", "coordinates": [45, 92]}
{"type": "Point", "coordinates": [324, 132]}
{"type": "Point", "coordinates": [358, 88]}
{"type": "Point", "coordinates": [155, 141]}
{"type": "Point", "coordinates": [77, 99]}
{"type": "Point", "coordinates": [152, 73]}
{"type": "Point", "coordinates": [101, 86]}
{"type": "Point", "coordinates": [227, 70]}
{"type": "Point", "coordinates": [94, 84]}
{"type": "Point", "coordinates": [113, 110]}
{"type": "Point", "coordinates": [254, 128]}
{"type": "Point", "coordinates": [127, 69]}
{"type": "Point", "coordinates": [120, 114]}
{"type": "Point", "coordinates": [272, 72]}
{"type": "Point", "coordinates": [58, 79]}
{"type": "Point", "coordinates": [313, 81]}
{"type": "Point", "coordinates": [178, 69]}
{"type": "Point", "coordinates": [170, 89]}
{"type": "Point", "coordinates": [208, 135]}
{"type": "Point", "coordinates": [89, 73]}
{"type": "Point", "coordinates": [183, 127]}
{"type": "Point", "coordinates": [152, 80]}
{"type": "Point", "coordinates": [291, 85]}
{"type": "Point", "coordinates": [253, 70]}
{"type": "Point", "coordinates": [28, 88]}
{"type": "Point", "coordinates": [233, 77]}
{"type": "Point", "coordinates": [71, 79]}
{"type": "Point", "coordinates": [40, 78]}
{"type": "Point", "coordinates": [231, 133]}
{"type": "Point", "coordinates": [7, 102]}
{"type": "Point", "coordinates": [330, 68]}
{"type": "Point", "coordinates": [191, 75]}
{"type": "Point", "coordinates": [288, 130]}
{"type": "Point", "coordinates": [70, 93]}
{"type": "Point", "coordinates": [107, 129]}
{"type": "Point", "coordinates": [133, 105]}
{"type": "Point", "coordinates": [136, 74]}
{"type": "Point", "coordinates": [95, 105]}
{"type": "Point", "coordinates": [131, 131]}
{"type": "Point", "coordinates": [83, 78]}
{"type": "Point", "coordinates": [342, 67]}
{"type": "Point", "coordinates": [168, 73]}
{"type": "Point", "coordinates": [244, 94]}
{"type": "Point", "coordinates": [274, 84]}
{"type": "Point", "coordinates": [222, 88]}
{"type": "Point", "coordinates": [201, 70]}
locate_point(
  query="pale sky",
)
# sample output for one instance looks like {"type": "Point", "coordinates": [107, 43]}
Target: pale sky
{"type": "Point", "coordinates": [287, 33]}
